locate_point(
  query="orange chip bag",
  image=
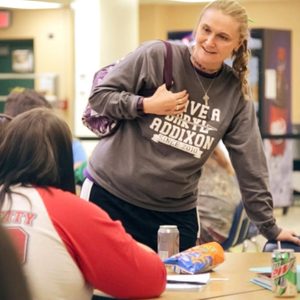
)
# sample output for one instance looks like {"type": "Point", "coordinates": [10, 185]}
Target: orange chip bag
{"type": "Point", "coordinates": [197, 259]}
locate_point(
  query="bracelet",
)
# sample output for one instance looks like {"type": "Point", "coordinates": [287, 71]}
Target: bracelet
{"type": "Point", "coordinates": [140, 106]}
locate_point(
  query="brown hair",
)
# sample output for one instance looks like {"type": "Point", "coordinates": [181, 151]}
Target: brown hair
{"type": "Point", "coordinates": [36, 150]}
{"type": "Point", "coordinates": [21, 100]}
{"type": "Point", "coordinates": [240, 57]}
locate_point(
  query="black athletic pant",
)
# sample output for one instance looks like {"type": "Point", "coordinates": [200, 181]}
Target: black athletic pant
{"type": "Point", "coordinates": [143, 224]}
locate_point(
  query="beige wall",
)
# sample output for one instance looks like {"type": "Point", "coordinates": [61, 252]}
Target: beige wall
{"type": "Point", "coordinates": [104, 31]}
{"type": "Point", "coordinates": [57, 54]}
{"type": "Point", "coordinates": [50, 54]}
{"type": "Point", "coordinates": [157, 20]}
{"type": "Point", "coordinates": [119, 29]}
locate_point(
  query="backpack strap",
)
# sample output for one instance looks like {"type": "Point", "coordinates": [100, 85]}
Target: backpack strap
{"type": "Point", "coordinates": [168, 66]}
{"type": "Point", "coordinates": [167, 72]}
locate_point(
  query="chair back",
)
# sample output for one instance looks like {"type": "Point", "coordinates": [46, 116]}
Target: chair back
{"type": "Point", "coordinates": [239, 229]}
{"type": "Point", "coordinates": [272, 245]}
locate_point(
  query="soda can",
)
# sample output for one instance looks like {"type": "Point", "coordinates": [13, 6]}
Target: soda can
{"type": "Point", "coordinates": [284, 273]}
{"type": "Point", "coordinates": [167, 241]}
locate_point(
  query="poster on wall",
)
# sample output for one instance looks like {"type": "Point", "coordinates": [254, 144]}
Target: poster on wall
{"type": "Point", "coordinates": [277, 90]}
{"type": "Point", "coordinates": [22, 61]}
{"type": "Point", "coordinates": [281, 177]}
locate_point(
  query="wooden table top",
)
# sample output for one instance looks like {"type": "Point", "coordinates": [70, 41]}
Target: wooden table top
{"type": "Point", "coordinates": [230, 280]}
{"type": "Point", "coordinates": [235, 269]}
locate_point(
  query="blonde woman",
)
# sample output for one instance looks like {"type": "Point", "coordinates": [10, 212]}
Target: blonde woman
{"type": "Point", "coordinates": [146, 173]}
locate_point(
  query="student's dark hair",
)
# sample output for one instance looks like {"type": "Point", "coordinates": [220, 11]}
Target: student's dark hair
{"type": "Point", "coordinates": [21, 100]}
{"type": "Point", "coordinates": [36, 150]}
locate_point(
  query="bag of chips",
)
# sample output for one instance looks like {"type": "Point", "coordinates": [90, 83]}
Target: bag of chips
{"type": "Point", "coordinates": [197, 259]}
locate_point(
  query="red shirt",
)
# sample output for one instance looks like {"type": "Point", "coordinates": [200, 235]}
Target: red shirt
{"type": "Point", "coordinates": [70, 246]}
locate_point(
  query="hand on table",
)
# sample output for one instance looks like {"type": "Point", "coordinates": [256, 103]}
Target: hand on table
{"type": "Point", "coordinates": [288, 236]}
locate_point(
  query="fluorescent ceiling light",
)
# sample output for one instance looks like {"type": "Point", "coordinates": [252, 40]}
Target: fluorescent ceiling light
{"type": "Point", "coordinates": [192, 1]}
{"type": "Point", "coordinates": [27, 4]}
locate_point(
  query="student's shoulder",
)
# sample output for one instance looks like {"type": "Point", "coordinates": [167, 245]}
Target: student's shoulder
{"type": "Point", "coordinates": [151, 48]}
{"type": "Point", "coordinates": [152, 44]}
{"type": "Point", "coordinates": [56, 193]}
{"type": "Point", "coordinates": [161, 45]}
{"type": "Point", "coordinates": [54, 197]}
{"type": "Point", "coordinates": [155, 48]}
{"type": "Point", "coordinates": [230, 77]}
{"type": "Point", "coordinates": [227, 69]}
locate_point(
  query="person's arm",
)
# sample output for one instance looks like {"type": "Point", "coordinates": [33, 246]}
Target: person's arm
{"type": "Point", "coordinates": [110, 259]}
{"type": "Point", "coordinates": [223, 161]}
{"type": "Point", "coordinates": [244, 143]}
{"type": "Point", "coordinates": [118, 96]}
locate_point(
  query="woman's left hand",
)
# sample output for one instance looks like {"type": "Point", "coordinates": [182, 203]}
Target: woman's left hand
{"type": "Point", "coordinates": [288, 236]}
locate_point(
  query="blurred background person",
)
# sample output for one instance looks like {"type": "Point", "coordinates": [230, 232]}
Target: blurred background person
{"type": "Point", "coordinates": [218, 196]}
{"type": "Point", "coordinates": [21, 100]}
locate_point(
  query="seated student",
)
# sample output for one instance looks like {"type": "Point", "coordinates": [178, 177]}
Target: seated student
{"type": "Point", "coordinates": [12, 281]}
{"type": "Point", "coordinates": [21, 100]}
{"type": "Point", "coordinates": [218, 196]}
{"type": "Point", "coordinates": [69, 246]}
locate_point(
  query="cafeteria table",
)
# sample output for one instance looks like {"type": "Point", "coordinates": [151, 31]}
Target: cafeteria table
{"type": "Point", "coordinates": [230, 280]}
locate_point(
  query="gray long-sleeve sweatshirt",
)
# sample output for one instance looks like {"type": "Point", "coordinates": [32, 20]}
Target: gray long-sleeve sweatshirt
{"type": "Point", "coordinates": [155, 161]}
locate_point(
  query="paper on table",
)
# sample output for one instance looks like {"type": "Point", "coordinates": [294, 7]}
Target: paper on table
{"type": "Point", "coordinates": [263, 282]}
{"type": "Point", "coordinates": [182, 280]}
{"type": "Point", "coordinates": [266, 282]}
{"type": "Point", "coordinates": [266, 269]}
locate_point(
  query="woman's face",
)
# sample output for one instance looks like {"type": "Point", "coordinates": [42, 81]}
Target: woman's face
{"type": "Point", "coordinates": [216, 37]}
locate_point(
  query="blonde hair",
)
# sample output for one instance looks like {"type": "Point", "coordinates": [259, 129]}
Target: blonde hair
{"type": "Point", "coordinates": [240, 57]}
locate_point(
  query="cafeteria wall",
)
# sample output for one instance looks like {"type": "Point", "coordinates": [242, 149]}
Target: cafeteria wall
{"type": "Point", "coordinates": [104, 32]}
{"type": "Point", "coordinates": [52, 33]}
{"type": "Point", "coordinates": [156, 20]}
{"type": "Point", "coordinates": [66, 43]}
